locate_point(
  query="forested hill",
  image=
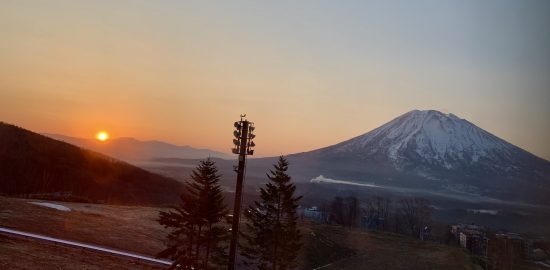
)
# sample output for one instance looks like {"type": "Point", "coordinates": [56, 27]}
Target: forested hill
{"type": "Point", "coordinates": [31, 163]}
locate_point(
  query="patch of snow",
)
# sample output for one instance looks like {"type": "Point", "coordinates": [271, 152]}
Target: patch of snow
{"type": "Point", "coordinates": [463, 196]}
{"type": "Point", "coordinates": [427, 176]}
{"type": "Point", "coordinates": [322, 179]}
{"type": "Point", "coordinates": [484, 211]}
{"type": "Point", "coordinates": [53, 205]}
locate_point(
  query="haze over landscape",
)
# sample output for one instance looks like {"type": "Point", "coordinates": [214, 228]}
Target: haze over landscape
{"type": "Point", "coordinates": [310, 73]}
{"type": "Point", "coordinates": [278, 135]}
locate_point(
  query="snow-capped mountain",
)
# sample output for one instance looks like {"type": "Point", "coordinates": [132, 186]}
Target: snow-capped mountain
{"type": "Point", "coordinates": [430, 150]}
{"type": "Point", "coordinates": [434, 138]}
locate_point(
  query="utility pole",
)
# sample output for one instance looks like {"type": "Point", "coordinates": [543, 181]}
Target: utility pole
{"type": "Point", "coordinates": [243, 147]}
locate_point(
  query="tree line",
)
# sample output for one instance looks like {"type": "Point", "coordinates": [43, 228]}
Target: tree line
{"type": "Point", "coordinates": [270, 239]}
{"type": "Point", "coordinates": [200, 225]}
{"type": "Point", "coordinates": [409, 216]}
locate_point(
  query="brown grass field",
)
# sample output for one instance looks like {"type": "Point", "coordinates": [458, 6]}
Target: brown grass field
{"type": "Point", "coordinates": [22, 253]}
{"type": "Point", "coordinates": [134, 229]}
{"type": "Point", "coordinates": [359, 249]}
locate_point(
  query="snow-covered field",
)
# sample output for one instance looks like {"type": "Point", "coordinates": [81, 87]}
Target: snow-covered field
{"type": "Point", "coordinates": [53, 205]}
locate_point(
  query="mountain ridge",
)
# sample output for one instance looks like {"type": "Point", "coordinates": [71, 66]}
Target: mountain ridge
{"type": "Point", "coordinates": [134, 150]}
{"type": "Point", "coordinates": [31, 163]}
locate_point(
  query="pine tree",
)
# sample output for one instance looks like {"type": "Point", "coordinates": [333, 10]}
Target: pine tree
{"type": "Point", "coordinates": [197, 228]}
{"type": "Point", "coordinates": [272, 240]}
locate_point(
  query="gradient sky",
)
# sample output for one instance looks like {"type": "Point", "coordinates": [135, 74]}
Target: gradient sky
{"type": "Point", "coordinates": [308, 73]}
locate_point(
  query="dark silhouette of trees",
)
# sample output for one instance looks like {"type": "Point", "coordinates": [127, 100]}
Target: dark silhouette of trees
{"type": "Point", "coordinates": [272, 239]}
{"type": "Point", "coordinates": [413, 214]}
{"type": "Point", "coordinates": [345, 211]}
{"type": "Point", "coordinates": [336, 214]}
{"type": "Point", "coordinates": [353, 211]}
{"type": "Point", "coordinates": [377, 210]}
{"type": "Point", "coordinates": [198, 231]}
{"type": "Point", "coordinates": [408, 216]}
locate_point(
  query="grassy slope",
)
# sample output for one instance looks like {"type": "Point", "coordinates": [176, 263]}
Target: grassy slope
{"type": "Point", "coordinates": [20, 253]}
{"type": "Point", "coordinates": [31, 163]}
{"type": "Point", "coordinates": [130, 228]}
{"type": "Point", "coordinates": [135, 229]}
{"type": "Point", "coordinates": [339, 248]}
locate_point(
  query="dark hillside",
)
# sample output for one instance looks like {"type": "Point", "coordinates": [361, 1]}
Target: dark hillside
{"type": "Point", "coordinates": [31, 163]}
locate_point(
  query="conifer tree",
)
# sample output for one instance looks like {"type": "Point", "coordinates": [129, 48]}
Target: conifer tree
{"type": "Point", "coordinates": [272, 239]}
{"type": "Point", "coordinates": [197, 235]}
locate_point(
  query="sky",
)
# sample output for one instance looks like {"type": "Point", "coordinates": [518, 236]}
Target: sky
{"type": "Point", "coordinates": [308, 73]}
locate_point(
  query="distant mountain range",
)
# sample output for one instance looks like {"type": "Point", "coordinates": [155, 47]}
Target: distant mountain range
{"type": "Point", "coordinates": [458, 166]}
{"type": "Point", "coordinates": [33, 164]}
{"type": "Point", "coordinates": [136, 151]}
{"type": "Point", "coordinates": [425, 152]}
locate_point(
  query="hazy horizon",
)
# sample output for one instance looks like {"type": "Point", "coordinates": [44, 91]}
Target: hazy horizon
{"type": "Point", "coordinates": [309, 74]}
{"type": "Point", "coordinates": [221, 150]}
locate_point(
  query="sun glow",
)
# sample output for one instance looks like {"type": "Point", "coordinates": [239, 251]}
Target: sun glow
{"type": "Point", "coordinates": [102, 136]}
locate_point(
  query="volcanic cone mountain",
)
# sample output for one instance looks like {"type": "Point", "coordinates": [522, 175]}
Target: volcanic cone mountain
{"type": "Point", "coordinates": [430, 150]}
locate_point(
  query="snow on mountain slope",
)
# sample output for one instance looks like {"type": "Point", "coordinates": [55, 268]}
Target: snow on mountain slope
{"type": "Point", "coordinates": [430, 150]}
{"type": "Point", "coordinates": [433, 138]}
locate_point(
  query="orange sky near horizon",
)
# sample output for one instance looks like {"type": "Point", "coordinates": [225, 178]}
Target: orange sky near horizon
{"type": "Point", "coordinates": [309, 75]}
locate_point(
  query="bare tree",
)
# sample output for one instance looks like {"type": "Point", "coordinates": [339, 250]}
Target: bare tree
{"type": "Point", "coordinates": [353, 210]}
{"type": "Point", "coordinates": [377, 211]}
{"type": "Point", "coordinates": [336, 214]}
{"type": "Point", "coordinates": [345, 211]}
{"type": "Point", "coordinates": [414, 214]}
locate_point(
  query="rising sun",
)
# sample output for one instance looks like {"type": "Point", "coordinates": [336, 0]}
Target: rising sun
{"type": "Point", "coordinates": [102, 136]}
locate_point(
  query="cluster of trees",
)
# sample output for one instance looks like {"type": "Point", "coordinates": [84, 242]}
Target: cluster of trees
{"type": "Point", "coordinates": [345, 211]}
{"type": "Point", "coordinates": [408, 216]}
{"type": "Point", "coordinates": [200, 227]}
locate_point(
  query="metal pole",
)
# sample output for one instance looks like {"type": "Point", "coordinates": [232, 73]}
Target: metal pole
{"type": "Point", "coordinates": [238, 195]}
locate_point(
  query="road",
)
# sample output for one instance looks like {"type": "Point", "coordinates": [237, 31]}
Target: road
{"type": "Point", "coordinates": [83, 245]}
